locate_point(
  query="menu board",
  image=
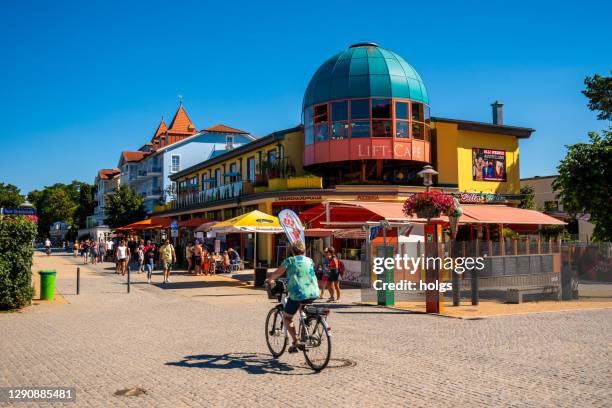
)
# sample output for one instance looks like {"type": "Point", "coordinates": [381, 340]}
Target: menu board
{"type": "Point", "coordinates": [488, 164]}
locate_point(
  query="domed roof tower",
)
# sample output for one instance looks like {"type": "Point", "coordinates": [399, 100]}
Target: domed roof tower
{"type": "Point", "coordinates": [366, 103]}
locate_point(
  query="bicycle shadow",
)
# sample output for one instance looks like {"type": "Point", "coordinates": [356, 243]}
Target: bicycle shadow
{"type": "Point", "coordinates": [252, 363]}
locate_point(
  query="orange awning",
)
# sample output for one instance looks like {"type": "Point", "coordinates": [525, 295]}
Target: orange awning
{"type": "Point", "coordinates": [502, 214]}
{"type": "Point", "coordinates": [149, 223]}
{"type": "Point", "coordinates": [193, 223]}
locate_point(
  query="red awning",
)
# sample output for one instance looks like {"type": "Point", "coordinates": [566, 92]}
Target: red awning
{"type": "Point", "coordinates": [319, 232]}
{"type": "Point", "coordinates": [502, 214]}
{"type": "Point", "coordinates": [193, 223]}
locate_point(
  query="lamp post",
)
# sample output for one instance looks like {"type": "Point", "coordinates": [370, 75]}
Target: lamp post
{"type": "Point", "coordinates": [427, 174]}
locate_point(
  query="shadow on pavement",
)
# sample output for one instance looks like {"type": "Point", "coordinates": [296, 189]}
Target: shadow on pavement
{"type": "Point", "coordinates": [252, 363]}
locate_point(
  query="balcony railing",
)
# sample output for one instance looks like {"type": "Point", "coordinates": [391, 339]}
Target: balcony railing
{"type": "Point", "coordinates": [224, 192]}
{"type": "Point", "coordinates": [142, 173]}
{"type": "Point", "coordinates": [156, 169]}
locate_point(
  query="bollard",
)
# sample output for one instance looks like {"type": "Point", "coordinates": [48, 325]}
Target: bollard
{"type": "Point", "coordinates": [128, 279]}
{"type": "Point", "coordinates": [474, 282]}
{"type": "Point", "coordinates": [78, 280]}
{"type": "Point", "coordinates": [456, 289]}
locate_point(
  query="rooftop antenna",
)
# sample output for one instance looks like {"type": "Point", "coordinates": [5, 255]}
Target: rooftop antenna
{"type": "Point", "coordinates": [180, 98]}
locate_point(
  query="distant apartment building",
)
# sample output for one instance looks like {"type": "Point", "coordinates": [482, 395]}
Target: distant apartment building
{"type": "Point", "coordinates": [546, 200]}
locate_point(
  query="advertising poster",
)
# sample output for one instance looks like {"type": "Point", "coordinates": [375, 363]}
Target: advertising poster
{"type": "Point", "coordinates": [488, 165]}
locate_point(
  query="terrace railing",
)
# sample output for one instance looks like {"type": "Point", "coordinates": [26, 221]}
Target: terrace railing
{"type": "Point", "coordinates": [224, 192]}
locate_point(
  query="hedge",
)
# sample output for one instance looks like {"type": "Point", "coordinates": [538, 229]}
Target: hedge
{"type": "Point", "coordinates": [16, 236]}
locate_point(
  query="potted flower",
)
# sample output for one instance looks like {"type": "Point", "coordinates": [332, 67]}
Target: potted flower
{"type": "Point", "coordinates": [429, 205]}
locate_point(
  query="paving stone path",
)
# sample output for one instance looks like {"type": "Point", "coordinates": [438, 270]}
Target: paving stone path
{"type": "Point", "coordinates": [201, 344]}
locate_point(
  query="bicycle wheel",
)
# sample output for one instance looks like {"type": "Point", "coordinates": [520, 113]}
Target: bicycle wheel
{"type": "Point", "coordinates": [318, 343]}
{"type": "Point", "coordinates": [275, 332]}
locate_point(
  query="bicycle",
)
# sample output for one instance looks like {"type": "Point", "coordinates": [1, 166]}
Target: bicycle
{"type": "Point", "coordinates": [313, 330]}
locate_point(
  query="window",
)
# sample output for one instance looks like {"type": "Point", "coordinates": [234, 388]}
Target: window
{"type": "Point", "coordinates": [251, 169]}
{"type": "Point", "coordinates": [229, 141]}
{"type": "Point", "coordinates": [308, 136]}
{"type": "Point", "coordinates": [272, 156]}
{"type": "Point", "coordinates": [204, 184]}
{"type": "Point", "coordinates": [233, 172]}
{"type": "Point", "coordinates": [360, 128]}
{"type": "Point", "coordinates": [321, 132]}
{"type": "Point", "coordinates": [382, 128]}
{"type": "Point", "coordinates": [175, 163]}
{"type": "Point", "coordinates": [320, 114]}
{"type": "Point", "coordinates": [308, 117]}
{"type": "Point", "coordinates": [381, 108]}
{"type": "Point", "coordinates": [193, 183]}
{"type": "Point", "coordinates": [417, 131]}
{"type": "Point", "coordinates": [339, 130]}
{"type": "Point", "coordinates": [401, 110]}
{"type": "Point", "coordinates": [217, 177]}
{"type": "Point", "coordinates": [339, 111]}
{"type": "Point", "coordinates": [360, 109]}
{"type": "Point", "coordinates": [417, 111]}
{"type": "Point", "coordinates": [402, 129]}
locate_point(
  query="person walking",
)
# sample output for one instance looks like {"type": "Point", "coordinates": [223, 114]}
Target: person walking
{"type": "Point", "coordinates": [109, 250]}
{"type": "Point", "coordinates": [94, 252]}
{"type": "Point", "coordinates": [332, 266]}
{"type": "Point", "coordinates": [189, 256]}
{"type": "Point", "coordinates": [149, 255]}
{"type": "Point", "coordinates": [140, 255]}
{"type": "Point", "coordinates": [122, 255]}
{"type": "Point", "coordinates": [102, 249]}
{"type": "Point", "coordinates": [168, 257]}
{"type": "Point", "coordinates": [75, 248]}
{"type": "Point", "coordinates": [48, 246]}
{"type": "Point", "coordinates": [197, 257]}
{"type": "Point", "coordinates": [85, 251]}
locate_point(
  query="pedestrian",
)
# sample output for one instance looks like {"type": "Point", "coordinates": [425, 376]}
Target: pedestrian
{"type": "Point", "coordinates": [94, 252]}
{"type": "Point", "coordinates": [102, 249]}
{"type": "Point", "coordinates": [48, 246]}
{"type": "Point", "coordinates": [149, 253]}
{"type": "Point", "coordinates": [189, 256]}
{"type": "Point", "coordinates": [332, 266]}
{"type": "Point", "coordinates": [75, 248]}
{"type": "Point", "coordinates": [168, 257]}
{"type": "Point", "coordinates": [122, 255]}
{"type": "Point", "coordinates": [85, 251]}
{"type": "Point", "coordinates": [197, 257]}
{"type": "Point", "coordinates": [109, 250]}
{"type": "Point", "coordinates": [140, 256]}
{"type": "Point", "coordinates": [226, 262]}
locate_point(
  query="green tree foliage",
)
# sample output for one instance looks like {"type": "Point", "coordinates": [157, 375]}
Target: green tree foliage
{"type": "Point", "coordinates": [10, 196]}
{"type": "Point", "coordinates": [16, 235]}
{"type": "Point", "coordinates": [86, 204]}
{"type": "Point", "coordinates": [583, 185]}
{"type": "Point", "coordinates": [527, 198]}
{"type": "Point", "coordinates": [54, 203]}
{"type": "Point", "coordinates": [124, 207]}
{"type": "Point", "coordinates": [599, 91]}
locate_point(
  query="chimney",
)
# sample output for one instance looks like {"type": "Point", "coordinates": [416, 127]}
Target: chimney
{"type": "Point", "coordinates": [498, 112]}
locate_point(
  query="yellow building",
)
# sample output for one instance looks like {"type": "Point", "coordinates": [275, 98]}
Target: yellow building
{"type": "Point", "coordinates": [366, 133]}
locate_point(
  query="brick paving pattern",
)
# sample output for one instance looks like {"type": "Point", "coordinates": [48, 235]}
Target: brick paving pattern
{"type": "Point", "coordinates": [204, 346]}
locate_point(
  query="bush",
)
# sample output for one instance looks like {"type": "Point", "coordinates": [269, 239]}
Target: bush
{"type": "Point", "coordinates": [16, 236]}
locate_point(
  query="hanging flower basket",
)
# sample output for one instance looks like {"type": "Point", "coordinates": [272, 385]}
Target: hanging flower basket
{"type": "Point", "coordinates": [429, 204]}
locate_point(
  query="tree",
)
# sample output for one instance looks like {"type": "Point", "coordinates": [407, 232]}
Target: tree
{"type": "Point", "coordinates": [599, 91]}
{"type": "Point", "coordinates": [583, 184]}
{"type": "Point", "coordinates": [86, 204]}
{"type": "Point", "coordinates": [527, 198]}
{"type": "Point", "coordinates": [10, 196]}
{"type": "Point", "coordinates": [54, 203]}
{"type": "Point", "coordinates": [123, 207]}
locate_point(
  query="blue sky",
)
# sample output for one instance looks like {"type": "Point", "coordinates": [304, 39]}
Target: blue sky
{"type": "Point", "coordinates": [82, 81]}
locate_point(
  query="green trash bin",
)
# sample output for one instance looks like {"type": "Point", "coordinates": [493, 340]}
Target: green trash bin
{"type": "Point", "coordinates": [47, 284]}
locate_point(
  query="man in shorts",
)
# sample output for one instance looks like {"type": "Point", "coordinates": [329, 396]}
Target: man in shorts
{"type": "Point", "coordinates": [167, 257]}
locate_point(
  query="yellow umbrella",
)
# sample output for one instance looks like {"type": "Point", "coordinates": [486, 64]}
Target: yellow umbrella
{"type": "Point", "coordinates": [254, 221]}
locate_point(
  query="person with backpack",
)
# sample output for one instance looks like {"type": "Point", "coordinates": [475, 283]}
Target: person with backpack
{"type": "Point", "coordinates": [332, 268]}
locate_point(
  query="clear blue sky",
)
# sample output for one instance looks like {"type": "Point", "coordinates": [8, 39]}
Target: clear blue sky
{"type": "Point", "coordinates": [83, 81]}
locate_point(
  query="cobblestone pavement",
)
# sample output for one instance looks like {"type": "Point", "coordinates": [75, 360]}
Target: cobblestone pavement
{"type": "Point", "coordinates": [208, 349]}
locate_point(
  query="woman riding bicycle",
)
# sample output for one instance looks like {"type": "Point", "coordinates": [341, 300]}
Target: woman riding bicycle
{"type": "Point", "coordinates": [302, 287]}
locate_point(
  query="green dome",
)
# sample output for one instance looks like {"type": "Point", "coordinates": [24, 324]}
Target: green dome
{"type": "Point", "coordinates": [365, 70]}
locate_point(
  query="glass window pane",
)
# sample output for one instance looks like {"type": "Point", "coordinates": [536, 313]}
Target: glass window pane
{"type": "Point", "coordinates": [427, 113]}
{"type": "Point", "coordinates": [308, 136]}
{"type": "Point", "coordinates": [401, 129]}
{"type": "Point", "coordinates": [417, 111]}
{"type": "Point", "coordinates": [321, 133]}
{"type": "Point", "coordinates": [417, 131]}
{"type": "Point", "coordinates": [339, 111]}
{"type": "Point", "coordinates": [308, 118]}
{"type": "Point", "coordinates": [320, 113]}
{"type": "Point", "coordinates": [360, 128]}
{"type": "Point", "coordinates": [360, 109]}
{"type": "Point", "coordinates": [339, 130]}
{"type": "Point", "coordinates": [382, 128]}
{"type": "Point", "coordinates": [427, 133]}
{"type": "Point", "coordinates": [381, 108]}
{"type": "Point", "coordinates": [401, 110]}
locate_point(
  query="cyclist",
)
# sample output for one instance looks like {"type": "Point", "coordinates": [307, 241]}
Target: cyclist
{"type": "Point", "coordinates": [302, 287]}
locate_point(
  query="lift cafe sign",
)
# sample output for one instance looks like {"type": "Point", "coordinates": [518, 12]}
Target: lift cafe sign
{"type": "Point", "coordinates": [479, 198]}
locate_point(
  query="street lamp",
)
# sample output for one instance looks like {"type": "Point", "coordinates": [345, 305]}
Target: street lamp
{"type": "Point", "coordinates": [427, 174]}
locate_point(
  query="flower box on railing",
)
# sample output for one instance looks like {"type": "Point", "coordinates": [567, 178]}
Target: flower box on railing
{"type": "Point", "coordinates": [304, 182]}
{"type": "Point", "coordinates": [260, 189]}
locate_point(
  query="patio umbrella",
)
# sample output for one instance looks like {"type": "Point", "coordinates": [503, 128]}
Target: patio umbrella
{"type": "Point", "coordinates": [255, 222]}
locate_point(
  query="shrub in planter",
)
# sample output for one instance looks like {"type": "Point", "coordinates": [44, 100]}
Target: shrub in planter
{"type": "Point", "coordinates": [16, 236]}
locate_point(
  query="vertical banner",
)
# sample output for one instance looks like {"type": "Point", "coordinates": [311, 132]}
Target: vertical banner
{"type": "Point", "coordinates": [291, 225]}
